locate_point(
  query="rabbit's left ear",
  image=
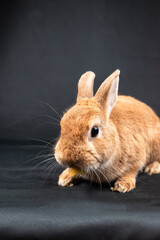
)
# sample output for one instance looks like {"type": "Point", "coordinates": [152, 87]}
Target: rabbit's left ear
{"type": "Point", "coordinates": [85, 86]}
{"type": "Point", "coordinates": [108, 92]}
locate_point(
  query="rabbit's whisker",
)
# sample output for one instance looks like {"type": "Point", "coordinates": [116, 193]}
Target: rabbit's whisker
{"type": "Point", "coordinates": [98, 178]}
{"type": "Point", "coordinates": [47, 104]}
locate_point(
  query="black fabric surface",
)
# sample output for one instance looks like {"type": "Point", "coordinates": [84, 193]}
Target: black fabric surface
{"type": "Point", "coordinates": [45, 45]}
{"type": "Point", "coordinates": [32, 206]}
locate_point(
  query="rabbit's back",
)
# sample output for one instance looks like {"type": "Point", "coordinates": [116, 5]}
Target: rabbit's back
{"type": "Point", "coordinates": [129, 111]}
{"type": "Point", "coordinates": [138, 127]}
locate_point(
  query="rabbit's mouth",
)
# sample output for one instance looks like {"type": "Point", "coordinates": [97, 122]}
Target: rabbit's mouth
{"type": "Point", "coordinates": [86, 168]}
{"type": "Point", "coordinates": [86, 162]}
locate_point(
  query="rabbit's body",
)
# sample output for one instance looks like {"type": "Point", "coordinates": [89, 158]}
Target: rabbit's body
{"type": "Point", "coordinates": [107, 137]}
{"type": "Point", "coordinates": [137, 136]}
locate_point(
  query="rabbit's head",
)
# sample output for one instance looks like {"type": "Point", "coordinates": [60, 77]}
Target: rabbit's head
{"type": "Point", "coordinates": [87, 138]}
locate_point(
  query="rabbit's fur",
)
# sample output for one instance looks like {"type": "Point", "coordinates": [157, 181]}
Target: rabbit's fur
{"type": "Point", "coordinates": [128, 140]}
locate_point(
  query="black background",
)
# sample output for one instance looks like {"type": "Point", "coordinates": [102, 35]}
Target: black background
{"type": "Point", "coordinates": [46, 45]}
{"type": "Point", "coordinates": [44, 48]}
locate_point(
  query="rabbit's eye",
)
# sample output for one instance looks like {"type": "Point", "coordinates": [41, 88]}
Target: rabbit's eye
{"type": "Point", "coordinates": [94, 131]}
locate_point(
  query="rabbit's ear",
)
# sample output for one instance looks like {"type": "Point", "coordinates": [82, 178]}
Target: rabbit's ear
{"type": "Point", "coordinates": [85, 86]}
{"type": "Point", "coordinates": [108, 92]}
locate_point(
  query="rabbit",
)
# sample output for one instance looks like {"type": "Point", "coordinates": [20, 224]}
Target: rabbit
{"type": "Point", "coordinates": [109, 137]}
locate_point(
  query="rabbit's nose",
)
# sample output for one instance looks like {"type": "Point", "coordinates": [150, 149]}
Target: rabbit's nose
{"type": "Point", "coordinates": [68, 158]}
{"type": "Point", "coordinates": [62, 158]}
{"type": "Point", "coordinates": [58, 156]}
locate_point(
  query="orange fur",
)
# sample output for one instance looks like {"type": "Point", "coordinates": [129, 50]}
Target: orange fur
{"type": "Point", "coordinates": [129, 139]}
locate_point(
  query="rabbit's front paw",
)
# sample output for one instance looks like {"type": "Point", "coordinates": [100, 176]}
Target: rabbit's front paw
{"type": "Point", "coordinates": [69, 175]}
{"type": "Point", "coordinates": [124, 184]}
{"type": "Point", "coordinates": [65, 179]}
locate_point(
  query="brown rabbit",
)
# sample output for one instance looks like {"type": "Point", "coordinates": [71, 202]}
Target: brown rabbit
{"type": "Point", "coordinates": [108, 137]}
